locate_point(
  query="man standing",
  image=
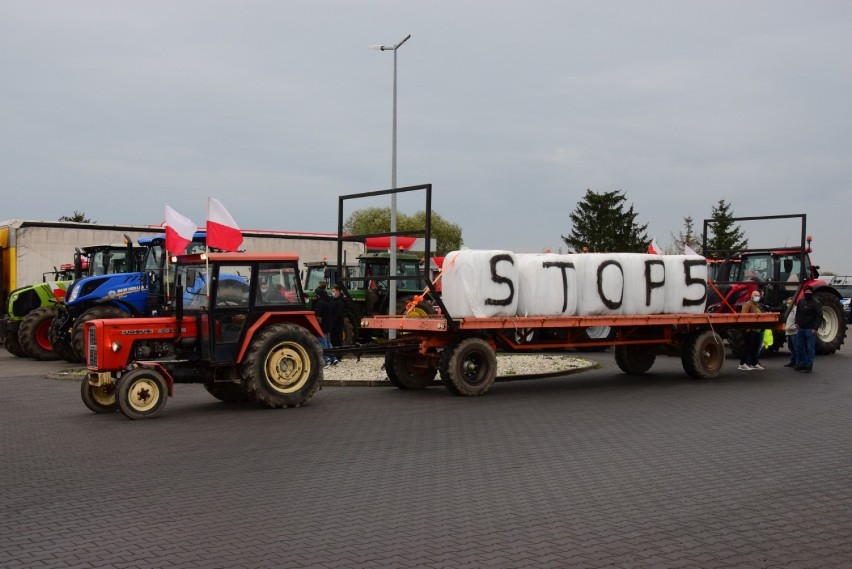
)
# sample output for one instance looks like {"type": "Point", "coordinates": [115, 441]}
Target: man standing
{"type": "Point", "coordinates": [808, 319]}
{"type": "Point", "coordinates": [753, 340]}
{"type": "Point", "coordinates": [338, 316]}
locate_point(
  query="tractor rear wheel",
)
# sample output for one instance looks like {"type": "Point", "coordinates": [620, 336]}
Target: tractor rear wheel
{"type": "Point", "coordinates": [102, 312]}
{"type": "Point", "coordinates": [408, 369]}
{"type": "Point", "coordinates": [469, 367]}
{"type": "Point", "coordinates": [100, 399]}
{"type": "Point", "coordinates": [634, 360]}
{"type": "Point", "coordinates": [13, 345]}
{"type": "Point", "coordinates": [703, 354]}
{"type": "Point", "coordinates": [832, 332]}
{"type": "Point", "coordinates": [142, 393]}
{"type": "Point", "coordinates": [33, 334]}
{"type": "Point", "coordinates": [283, 366]}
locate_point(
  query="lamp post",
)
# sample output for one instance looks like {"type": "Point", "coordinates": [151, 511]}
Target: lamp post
{"type": "Point", "coordinates": [392, 267]}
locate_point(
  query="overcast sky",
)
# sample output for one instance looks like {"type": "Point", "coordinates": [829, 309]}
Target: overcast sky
{"type": "Point", "coordinates": [510, 109]}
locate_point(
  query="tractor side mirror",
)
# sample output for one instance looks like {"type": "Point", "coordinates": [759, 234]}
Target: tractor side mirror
{"type": "Point", "coordinates": [191, 277]}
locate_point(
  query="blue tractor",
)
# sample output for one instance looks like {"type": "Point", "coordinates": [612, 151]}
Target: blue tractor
{"type": "Point", "coordinates": [143, 292]}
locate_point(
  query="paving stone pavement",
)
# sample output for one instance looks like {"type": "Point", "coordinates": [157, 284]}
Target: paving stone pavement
{"type": "Point", "coordinates": [600, 469]}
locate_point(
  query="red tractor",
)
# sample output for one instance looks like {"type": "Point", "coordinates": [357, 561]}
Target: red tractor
{"type": "Point", "coordinates": [779, 273]}
{"type": "Point", "coordinates": [239, 325]}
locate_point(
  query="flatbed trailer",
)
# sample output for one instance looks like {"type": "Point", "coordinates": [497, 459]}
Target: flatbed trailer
{"type": "Point", "coordinates": [463, 351]}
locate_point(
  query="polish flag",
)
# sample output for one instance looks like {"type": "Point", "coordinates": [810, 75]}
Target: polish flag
{"type": "Point", "coordinates": [687, 250]}
{"type": "Point", "coordinates": [179, 230]}
{"type": "Point", "coordinates": [222, 230]}
{"type": "Point", "coordinates": [653, 249]}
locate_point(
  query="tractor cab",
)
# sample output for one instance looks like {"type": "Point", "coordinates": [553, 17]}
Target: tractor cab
{"type": "Point", "coordinates": [229, 293]}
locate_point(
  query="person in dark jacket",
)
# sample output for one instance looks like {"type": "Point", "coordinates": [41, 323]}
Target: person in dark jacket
{"type": "Point", "coordinates": [337, 316]}
{"type": "Point", "coordinates": [808, 319]}
{"type": "Point", "coordinates": [323, 311]}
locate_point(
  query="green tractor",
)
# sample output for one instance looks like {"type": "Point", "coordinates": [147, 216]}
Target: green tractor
{"type": "Point", "coordinates": [31, 309]}
{"type": "Point", "coordinates": [368, 288]}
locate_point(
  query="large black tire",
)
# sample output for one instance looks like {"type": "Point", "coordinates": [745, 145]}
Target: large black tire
{"type": "Point", "coordinates": [33, 334]}
{"type": "Point", "coordinates": [703, 354]}
{"type": "Point", "coordinates": [142, 393]}
{"type": "Point", "coordinates": [103, 312]}
{"type": "Point", "coordinates": [409, 369]}
{"type": "Point", "coordinates": [469, 367]}
{"type": "Point", "coordinates": [228, 392]}
{"type": "Point", "coordinates": [13, 345]}
{"type": "Point", "coordinates": [832, 331]}
{"type": "Point", "coordinates": [597, 333]}
{"type": "Point", "coordinates": [634, 360]}
{"type": "Point", "coordinates": [99, 399]}
{"type": "Point", "coordinates": [283, 366]}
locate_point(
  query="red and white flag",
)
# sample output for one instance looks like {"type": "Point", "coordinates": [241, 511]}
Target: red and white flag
{"type": "Point", "coordinates": [222, 230]}
{"type": "Point", "coordinates": [653, 249]}
{"type": "Point", "coordinates": [179, 230]}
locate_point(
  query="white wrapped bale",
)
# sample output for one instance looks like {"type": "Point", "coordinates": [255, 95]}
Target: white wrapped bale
{"type": "Point", "coordinates": [644, 283]}
{"type": "Point", "coordinates": [686, 284]}
{"type": "Point", "coordinates": [480, 283]}
{"type": "Point", "coordinates": [600, 284]}
{"type": "Point", "coordinates": [547, 285]}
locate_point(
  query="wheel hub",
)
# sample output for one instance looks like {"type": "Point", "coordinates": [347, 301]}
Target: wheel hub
{"type": "Point", "coordinates": [285, 368]}
{"type": "Point", "coordinates": [143, 395]}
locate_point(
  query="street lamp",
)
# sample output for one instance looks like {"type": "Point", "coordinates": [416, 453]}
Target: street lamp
{"type": "Point", "coordinates": [392, 268]}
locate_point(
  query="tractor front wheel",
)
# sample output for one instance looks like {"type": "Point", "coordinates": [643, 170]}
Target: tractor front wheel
{"type": "Point", "coordinates": [142, 393]}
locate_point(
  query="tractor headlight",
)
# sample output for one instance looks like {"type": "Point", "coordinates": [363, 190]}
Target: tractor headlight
{"type": "Point", "coordinates": [73, 293]}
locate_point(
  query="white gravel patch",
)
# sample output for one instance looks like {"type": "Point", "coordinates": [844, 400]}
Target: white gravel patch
{"type": "Point", "coordinates": [371, 368]}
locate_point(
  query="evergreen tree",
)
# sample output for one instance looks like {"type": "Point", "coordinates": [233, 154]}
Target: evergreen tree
{"type": "Point", "coordinates": [601, 224]}
{"type": "Point", "coordinates": [77, 216]}
{"type": "Point", "coordinates": [687, 236]}
{"type": "Point", "coordinates": [722, 233]}
{"type": "Point", "coordinates": [447, 235]}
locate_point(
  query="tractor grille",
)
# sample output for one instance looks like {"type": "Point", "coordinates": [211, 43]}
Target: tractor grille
{"type": "Point", "coordinates": [92, 349]}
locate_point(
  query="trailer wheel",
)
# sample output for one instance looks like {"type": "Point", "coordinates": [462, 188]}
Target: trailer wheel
{"type": "Point", "coordinates": [283, 366]}
{"type": "Point", "coordinates": [100, 399]}
{"type": "Point", "coordinates": [409, 369]}
{"type": "Point", "coordinates": [703, 354]}
{"type": "Point", "coordinates": [141, 393]}
{"type": "Point", "coordinates": [33, 334]}
{"type": "Point", "coordinates": [469, 367]}
{"type": "Point", "coordinates": [634, 360]}
{"type": "Point", "coordinates": [832, 331]}
{"type": "Point", "coordinates": [102, 312]}
{"type": "Point", "coordinates": [228, 392]}
{"type": "Point", "coordinates": [13, 345]}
